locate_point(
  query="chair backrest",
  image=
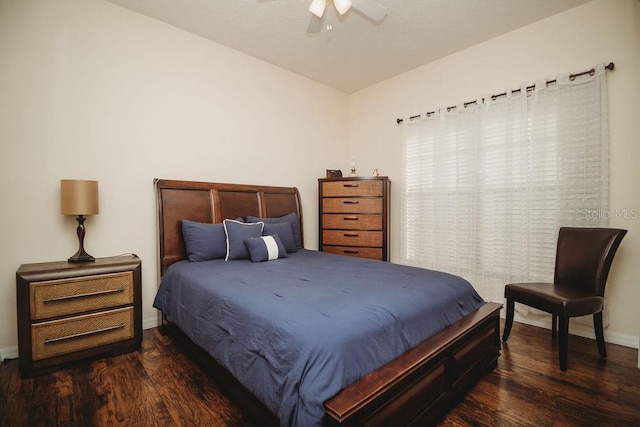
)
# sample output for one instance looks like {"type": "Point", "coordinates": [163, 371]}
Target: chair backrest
{"type": "Point", "coordinates": [584, 256]}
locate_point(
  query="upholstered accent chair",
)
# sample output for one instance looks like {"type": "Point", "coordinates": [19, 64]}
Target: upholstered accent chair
{"type": "Point", "coordinates": [583, 259]}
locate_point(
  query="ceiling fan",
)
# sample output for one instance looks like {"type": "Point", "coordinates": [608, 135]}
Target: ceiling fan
{"type": "Point", "coordinates": [369, 8]}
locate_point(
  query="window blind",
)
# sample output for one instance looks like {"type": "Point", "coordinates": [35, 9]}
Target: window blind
{"type": "Point", "coordinates": [486, 186]}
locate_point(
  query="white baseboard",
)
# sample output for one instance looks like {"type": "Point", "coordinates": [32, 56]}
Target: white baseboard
{"type": "Point", "coordinates": [579, 330]}
{"type": "Point", "coordinates": [582, 331]}
{"type": "Point", "coordinates": [8, 353]}
{"type": "Point", "coordinates": [151, 322]}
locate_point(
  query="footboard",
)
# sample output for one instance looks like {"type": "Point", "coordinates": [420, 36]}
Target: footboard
{"type": "Point", "coordinates": [418, 386]}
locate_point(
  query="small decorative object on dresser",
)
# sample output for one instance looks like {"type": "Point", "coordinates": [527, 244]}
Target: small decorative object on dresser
{"type": "Point", "coordinates": [71, 311]}
{"type": "Point", "coordinates": [354, 216]}
{"type": "Point", "coordinates": [352, 169]}
{"type": "Point", "coordinates": [334, 173]}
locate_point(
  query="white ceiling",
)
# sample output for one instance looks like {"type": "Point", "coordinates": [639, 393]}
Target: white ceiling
{"type": "Point", "coordinates": [357, 52]}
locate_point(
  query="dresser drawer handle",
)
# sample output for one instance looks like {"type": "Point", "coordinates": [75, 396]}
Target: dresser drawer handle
{"type": "Point", "coordinates": [350, 218]}
{"type": "Point", "coordinates": [82, 334]}
{"type": "Point", "coordinates": [346, 251]}
{"type": "Point", "coordinates": [351, 185]}
{"type": "Point", "coordinates": [350, 202]}
{"type": "Point", "coordinates": [88, 294]}
{"type": "Point", "coordinates": [351, 234]}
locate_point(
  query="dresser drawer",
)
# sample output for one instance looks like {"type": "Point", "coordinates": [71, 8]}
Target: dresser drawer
{"type": "Point", "coordinates": [62, 297]}
{"type": "Point", "coordinates": [352, 238]}
{"type": "Point", "coordinates": [371, 253]}
{"type": "Point", "coordinates": [352, 205]}
{"type": "Point", "coordinates": [58, 337]}
{"type": "Point", "coordinates": [352, 188]}
{"type": "Point", "coordinates": [352, 221]}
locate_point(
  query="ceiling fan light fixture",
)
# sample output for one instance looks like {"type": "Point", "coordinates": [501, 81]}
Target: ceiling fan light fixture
{"type": "Point", "coordinates": [342, 5]}
{"type": "Point", "coordinates": [317, 7]}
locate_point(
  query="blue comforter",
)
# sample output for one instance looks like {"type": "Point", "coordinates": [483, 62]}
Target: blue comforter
{"type": "Point", "coordinates": [295, 331]}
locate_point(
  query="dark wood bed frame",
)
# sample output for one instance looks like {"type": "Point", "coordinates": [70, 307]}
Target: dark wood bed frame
{"type": "Point", "coordinates": [414, 389]}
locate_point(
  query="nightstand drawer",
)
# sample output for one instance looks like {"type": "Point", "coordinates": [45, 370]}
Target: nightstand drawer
{"type": "Point", "coordinates": [352, 221]}
{"type": "Point", "coordinates": [54, 298]}
{"type": "Point", "coordinates": [352, 188]}
{"type": "Point", "coordinates": [81, 332]}
{"type": "Point", "coordinates": [370, 253]}
{"type": "Point", "coordinates": [352, 205]}
{"type": "Point", "coordinates": [352, 238]}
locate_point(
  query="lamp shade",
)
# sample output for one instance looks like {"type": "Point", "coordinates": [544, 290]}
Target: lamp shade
{"type": "Point", "coordinates": [78, 197]}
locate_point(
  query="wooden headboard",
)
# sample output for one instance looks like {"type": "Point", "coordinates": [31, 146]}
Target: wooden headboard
{"type": "Point", "coordinates": [213, 202]}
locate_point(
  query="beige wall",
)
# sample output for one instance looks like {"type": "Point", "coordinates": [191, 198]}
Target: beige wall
{"type": "Point", "coordinates": [600, 31]}
{"type": "Point", "coordinates": [90, 90]}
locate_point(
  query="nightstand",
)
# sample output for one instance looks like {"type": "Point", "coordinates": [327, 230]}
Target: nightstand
{"type": "Point", "coordinates": [72, 311]}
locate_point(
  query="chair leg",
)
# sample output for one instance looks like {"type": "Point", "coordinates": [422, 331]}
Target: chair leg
{"type": "Point", "coordinates": [563, 341]}
{"type": "Point", "coordinates": [508, 323]}
{"type": "Point", "coordinates": [597, 325]}
{"type": "Point", "coordinates": [554, 326]}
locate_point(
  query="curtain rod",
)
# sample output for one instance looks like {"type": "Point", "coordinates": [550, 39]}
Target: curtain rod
{"type": "Point", "coordinates": [591, 72]}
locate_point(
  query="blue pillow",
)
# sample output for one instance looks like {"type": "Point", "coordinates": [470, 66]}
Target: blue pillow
{"type": "Point", "coordinates": [237, 232]}
{"type": "Point", "coordinates": [292, 218]}
{"type": "Point", "coordinates": [265, 248]}
{"type": "Point", "coordinates": [284, 231]}
{"type": "Point", "coordinates": [204, 241]}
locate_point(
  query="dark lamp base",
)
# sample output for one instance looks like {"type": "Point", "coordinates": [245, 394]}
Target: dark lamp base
{"type": "Point", "coordinates": [81, 255]}
{"type": "Point", "coordinates": [81, 258]}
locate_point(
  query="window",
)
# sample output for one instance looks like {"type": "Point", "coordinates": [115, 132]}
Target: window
{"type": "Point", "coordinates": [486, 186]}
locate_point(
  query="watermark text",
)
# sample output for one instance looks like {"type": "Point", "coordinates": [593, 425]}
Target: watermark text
{"type": "Point", "coordinates": [624, 213]}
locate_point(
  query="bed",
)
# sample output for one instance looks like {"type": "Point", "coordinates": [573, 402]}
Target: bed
{"type": "Point", "coordinates": [412, 387]}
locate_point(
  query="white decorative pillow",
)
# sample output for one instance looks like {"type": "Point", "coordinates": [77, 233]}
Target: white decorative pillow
{"type": "Point", "coordinates": [266, 248]}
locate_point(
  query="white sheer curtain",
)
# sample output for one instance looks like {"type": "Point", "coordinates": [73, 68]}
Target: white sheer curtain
{"type": "Point", "coordinates": [487, 185]}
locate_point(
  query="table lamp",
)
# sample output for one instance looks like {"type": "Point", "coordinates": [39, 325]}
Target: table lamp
{"type": "Point", "coordinates": [79, 198]}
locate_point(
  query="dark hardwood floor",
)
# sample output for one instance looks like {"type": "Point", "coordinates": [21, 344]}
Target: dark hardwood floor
{"type": "Point", "coordinates": [161, 386]}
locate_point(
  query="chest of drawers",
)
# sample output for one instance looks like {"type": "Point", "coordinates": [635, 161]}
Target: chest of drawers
{"type": "Point", "coordinates": [70, 311]}
{"type": "Point", "coordinates": [354, 216]}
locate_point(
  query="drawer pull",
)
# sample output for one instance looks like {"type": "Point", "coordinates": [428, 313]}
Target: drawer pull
{"type": "Point", "coordinates": [350, 202]}
{"type": "Point", "coordinates": [350, 218]}
{"type": "Point", "coordinates": [89, 294]}
{"type": "Point", "coordinates": [351, 185]}
{"type": "Point", "coordinates": [346, 251]}
{"type": "Point", "coordinates": [82, 334]}
{"type": "Point", "coordinates": [351, 234]}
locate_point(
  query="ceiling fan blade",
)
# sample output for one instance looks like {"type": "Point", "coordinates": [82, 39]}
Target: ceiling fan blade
{"type": "Point", "coordinates": [342, 6]}
{"type": "Point", "coordinates": [315, 24]}
{"type": "Point", "coordinates": [317, 7]}
{"type": "Point", "coordinates": [370, 8]}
